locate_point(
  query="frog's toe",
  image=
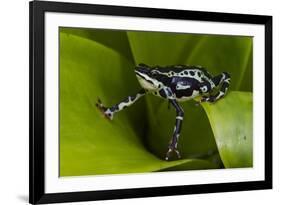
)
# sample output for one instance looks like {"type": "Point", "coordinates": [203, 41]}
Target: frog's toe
{"type": "Point", "coordinates": [168, 154]}
{"type": "Point", "coordinates": [104, 110]}
{"type": "Point", "coordinates": [100, 106]}
{"type": "Point", "coordinates": [170, 151]}
{"type": "Point", "coordinates": [178, 153]}
{"type": "Point", "coordinates": [203, 99]}
{"type": "Point", "coordinates": [211, 99]}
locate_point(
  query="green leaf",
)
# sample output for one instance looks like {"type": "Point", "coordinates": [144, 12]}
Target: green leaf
{"type": "Point", "coordinates": [232, 54]}
{"type": "Point", "coordinates": [247, 81]}
{"type": "Point", "coordinates": [107, 38]}
{"type": "Point", "coordinates": [160, 48]}
{"type": "Point", "coordinates": [89, 143]}
{"type": "Point", "coordinates": [232, 123]}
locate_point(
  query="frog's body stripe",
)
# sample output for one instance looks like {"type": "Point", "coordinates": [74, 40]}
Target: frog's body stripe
{"type": "Point", "coordinates": [193, 73]}
{"type": "Point", "coordinates": [182, 87]}
{"type": "Point", "coordinates": [175, 84]}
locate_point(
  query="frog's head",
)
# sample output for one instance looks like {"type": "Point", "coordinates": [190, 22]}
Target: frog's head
{"type": "Point", "coordinates": [148, 77]}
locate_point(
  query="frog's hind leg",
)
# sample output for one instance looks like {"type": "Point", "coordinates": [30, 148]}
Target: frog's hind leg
{"type": "Point", "coordinates": [222, 80]}
{"type": "Point", "coordinates": [108, 112]}
{"type": "Point", "coordinates": [174, 141]}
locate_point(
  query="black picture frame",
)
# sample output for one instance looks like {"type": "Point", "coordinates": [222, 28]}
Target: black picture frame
{"type": "Point", "coordinates": [37, 194]}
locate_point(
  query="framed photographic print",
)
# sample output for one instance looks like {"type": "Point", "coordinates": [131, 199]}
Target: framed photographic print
{"type": "Point", "coordinates": [140, 102]}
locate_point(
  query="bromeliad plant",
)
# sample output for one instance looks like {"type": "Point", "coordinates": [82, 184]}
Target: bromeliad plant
{"type": "Point", "coordinates": [100, 63]}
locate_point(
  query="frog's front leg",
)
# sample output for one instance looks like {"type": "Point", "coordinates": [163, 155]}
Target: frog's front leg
{"type": "Point", "coordinates": [222, 80]}
{"type": "Point", "coordinates": [174, 141]}
{"type": "Point", "coordinates": [110, 111]}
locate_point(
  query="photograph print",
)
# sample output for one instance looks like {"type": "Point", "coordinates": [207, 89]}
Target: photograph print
{"type": "Point", "coordinates": [147, 101]}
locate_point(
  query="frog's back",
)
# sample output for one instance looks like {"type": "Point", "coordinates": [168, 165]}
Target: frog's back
{"type": "Point", "coordinates": [177, 68]}
{"type": "Point", "coordinates": [190, 71]}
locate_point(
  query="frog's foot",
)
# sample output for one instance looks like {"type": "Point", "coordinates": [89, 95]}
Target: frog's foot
{"type": "Point", "coordinates": [209, 99]}
{"type": "Point", "coordinates": [170, 151]}
{"type": "Point", "coordinates": [104, 110]}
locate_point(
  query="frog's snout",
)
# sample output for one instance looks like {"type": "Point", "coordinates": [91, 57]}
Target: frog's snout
{"type": "Point", "coordinates": [142, 69]}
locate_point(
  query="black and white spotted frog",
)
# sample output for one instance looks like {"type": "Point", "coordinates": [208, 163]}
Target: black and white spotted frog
{"type": "Point", "coordinates": [174, 83]}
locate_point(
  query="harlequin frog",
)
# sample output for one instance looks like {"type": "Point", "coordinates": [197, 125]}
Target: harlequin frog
{"type": "Point", "coordinates": [173, 83]}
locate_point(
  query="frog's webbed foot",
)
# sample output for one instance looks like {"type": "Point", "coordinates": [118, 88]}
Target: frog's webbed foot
{"type": "Point", "coordinates": [104, 110]}
{"type": "Point", "coordinates": [170, 152]}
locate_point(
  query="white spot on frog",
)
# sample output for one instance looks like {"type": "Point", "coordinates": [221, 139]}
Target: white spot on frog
{"type": "Point", "coordinates": [182, 87]}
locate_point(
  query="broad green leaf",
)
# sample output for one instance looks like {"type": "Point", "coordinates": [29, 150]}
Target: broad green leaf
{"type": "Point", "coordinates": [159, 48]}
{"type": "Point", "coordinates": [89, 143]}
{"type": "Point", "coordinates": [114, 39]}
{"type": "Point", "coordinates": [232, 54]}
{"type": "Point", "coordinates": [247, 82]}
{"type": "Point", "coordinates": [232, 123]}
